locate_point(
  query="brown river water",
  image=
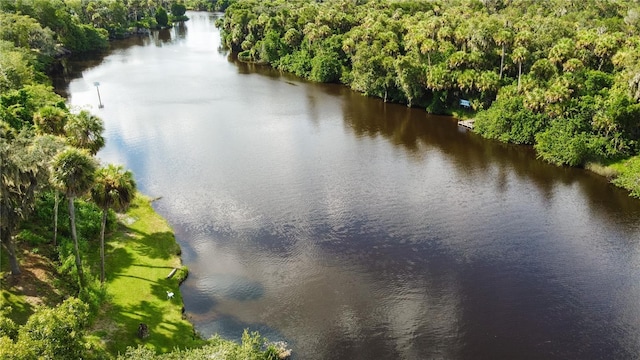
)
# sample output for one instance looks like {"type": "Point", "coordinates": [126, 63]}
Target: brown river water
{"type": "Point", "coordinates": [355, 229]}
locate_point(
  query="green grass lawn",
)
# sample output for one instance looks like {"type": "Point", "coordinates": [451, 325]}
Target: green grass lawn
{"type": "Point", "coordinates": [139, 257]}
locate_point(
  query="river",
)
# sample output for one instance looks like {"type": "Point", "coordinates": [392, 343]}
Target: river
{"type": "Point", "coordinates": [355, 229]}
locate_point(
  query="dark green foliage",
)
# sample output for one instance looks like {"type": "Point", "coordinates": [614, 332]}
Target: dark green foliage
{"type": "Point", "coordinates": [178, 9]}
{"type": "Point", "coordinates": [19, 106]}
{"type": "Point", "coordinates": [437, 102]}
{"type": "Point", "coordinates": [87, 214]}
{"type": "Point", "coordinates": [85, 38]}
{"type": "Point", "coordinates": [325, 67]}
{"type": "Point", "coordinates": [298, 63]}
{"type": "Point", "coordinates": [630, 179]}
{"type": "Point", "coordinates": [252, 347]}
{"type": "Point", "coordinates": [595, 81]}
{"type": "Point", "coordinates": [88, 221]}
{"type": "Point", "coordinates": [31, 238]}
{"type": "Point", "coordinates": [509, 121]}
{"type": "Point", "coordinates": [208, 5]}
{"type": "Point", "coordinates": [564, 143]}
{"type": "Point", "coordinates": [162, 17]}
{"type": "Point", "coordinates": [50, 333]}
{"type": "Point", "coordinates": [271, 47]}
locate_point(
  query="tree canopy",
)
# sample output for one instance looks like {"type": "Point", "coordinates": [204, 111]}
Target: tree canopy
{"type": "Point", "coordinates": [555, 74]}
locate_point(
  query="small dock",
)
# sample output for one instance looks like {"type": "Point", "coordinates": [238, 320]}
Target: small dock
{"type": "Point", "coordinates": [467, 123]}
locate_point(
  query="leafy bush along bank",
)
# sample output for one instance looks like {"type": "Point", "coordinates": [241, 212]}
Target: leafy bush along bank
{"type": "Point", "coordinates": [561, 75]}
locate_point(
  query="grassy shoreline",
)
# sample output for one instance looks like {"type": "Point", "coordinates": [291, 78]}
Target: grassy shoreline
{"type": "Point", "coordinates": [140, 255]}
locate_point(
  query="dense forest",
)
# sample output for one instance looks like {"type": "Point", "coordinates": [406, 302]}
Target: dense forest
{"type": "Point", "coordinates": [561, 75]}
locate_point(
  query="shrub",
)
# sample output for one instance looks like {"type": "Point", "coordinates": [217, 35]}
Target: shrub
{"type": "Point", "coordinates": [325, 68]}
{"type": "Point", "coordinates": [162, 17]}
{"type": "Point", "coordinates": [31, 238]}
{"type": "Point", "coordinates": [629, 176]}
{"type": "Point", "coordinates": [8, 328]}
{"type": "Point", "coordinates": [509, 121]}
{"type": "Point", "coordinates": [182, 274]}
{"type": "Point", "coordinates": [55, 333]}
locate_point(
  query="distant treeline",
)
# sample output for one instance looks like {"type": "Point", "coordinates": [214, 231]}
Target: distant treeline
{"type": "Point", "coordinates": [208, 5]}
{"type": "Point", "coordinates": [561, 75]}
{"type": "Point", "coordinates": [79, 25]}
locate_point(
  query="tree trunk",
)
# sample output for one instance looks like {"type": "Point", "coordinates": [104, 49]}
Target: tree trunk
{"type": "Point", "coordinates": [519, 74]}
{"type": "Point", "coordinates": [74, 236]}
{"type": "Point", "coordinates": [9, 245]}
{"type": "Point", "coordinates": [104, 225]}
{"type": "Point", "coordinates": [6, 240]}
{"type": "Point", "coordinates": [56, 202]}
{"type": "Point", "coordinates": [502, 61]}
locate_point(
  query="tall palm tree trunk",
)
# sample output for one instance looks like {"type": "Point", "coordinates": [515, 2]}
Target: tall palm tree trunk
{"type": "Point", "coordinates": [519, 74]}
{"type": "Point", "coordinates": [102, 262]}
{"type": "Point", "coordinates": [56, 202]}
{"type": "Point", "coordinates": [502, 60]}
{"type": "Point", "coordinates": [74, 236]}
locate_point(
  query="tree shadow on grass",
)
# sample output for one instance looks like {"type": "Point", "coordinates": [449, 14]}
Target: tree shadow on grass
{"type": "Point", "coordinates": [119, 256]}
{"type": "Point", "coordinates": [31, 288]}
{"type": "Point", "coordinates": [167, 330]}
{"type": "Point", "coordinates": [19, 310]}
{"type": "Point", "coordinates": [117, 260]}
{"type": "Point", "coordinates": [158, 245]}
{"type": "Point", "coordinates": [152, 266]}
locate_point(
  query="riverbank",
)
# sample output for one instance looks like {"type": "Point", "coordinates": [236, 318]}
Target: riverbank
{"type": "Point", "coordinates": [141, 288]}
{"type": "Point", "coordinates": [623, 173]}
{"type": "Point", "coordinates": [140, 256]}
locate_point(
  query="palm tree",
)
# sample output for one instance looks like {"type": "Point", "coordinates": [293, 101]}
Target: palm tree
{"type": "Point", "coordinates": [50, 120]}
{"type": "Point", "coordinates": [85, 131]}
{"type": "Point", "coordinates": [73, 174]}
{"type": "Point", "coordinates": [502, 38]}
{"type": "Point", "coordinates": [23, 171]}
{"type": "Point", "coordinates": [519, 55]}
{"type": "Point", "coordinates": [82, 130]}
{"type": "Point", "coordinates": [114, 188]}
{"type": "Point", "coordinates": [17, 186]}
